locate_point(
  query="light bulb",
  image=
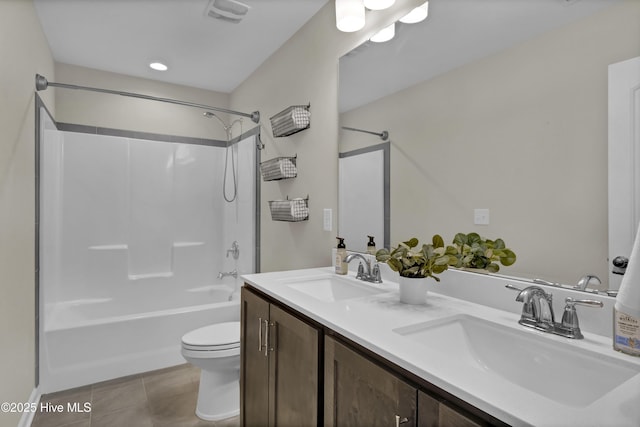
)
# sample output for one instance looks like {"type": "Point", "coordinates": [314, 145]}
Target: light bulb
{"type": "Point", "coordinates": [385, 34]}
{"type": "Point", "coordinates": [378, 4]}
{"type": "Point", "coordinates": [416, 15]}
{"type": "Point", "coordinates": [349, 15]}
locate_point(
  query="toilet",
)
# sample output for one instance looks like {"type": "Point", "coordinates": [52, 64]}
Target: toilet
{"type": "Point", "coordinates": [215, 349]}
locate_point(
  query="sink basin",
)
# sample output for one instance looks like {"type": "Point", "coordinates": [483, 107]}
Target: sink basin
{"type": "Point", "coordinates": [555, 370]}
{"type": "Point", "coordinates": [331, 288]}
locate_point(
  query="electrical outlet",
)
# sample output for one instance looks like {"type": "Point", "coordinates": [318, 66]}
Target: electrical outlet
{"type": "Point", "coordinates": [481, 216]}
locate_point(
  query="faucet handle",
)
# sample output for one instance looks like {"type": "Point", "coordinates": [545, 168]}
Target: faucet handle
{"type": "Point", "coordinates": [588, 302]}
{"type": "Point", "coordinates": [375, 273]}
{"type": "Point", "coordinates": [570, 327]}
{"type": "Point", "coordinates": [360, 273]}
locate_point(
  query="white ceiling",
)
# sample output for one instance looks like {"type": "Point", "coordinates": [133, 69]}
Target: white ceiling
{"type": "Point", "coordinates": [455, 33]}
{"type": "Point", "coordinates": [123, 36]}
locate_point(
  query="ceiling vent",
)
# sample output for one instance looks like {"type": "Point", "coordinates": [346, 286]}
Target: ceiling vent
{"type": "Point", "coordinates": [227, 10]}
{"type": "Point", "coordinates": [568, 2]}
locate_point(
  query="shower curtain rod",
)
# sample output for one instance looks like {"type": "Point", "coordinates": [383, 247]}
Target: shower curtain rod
{"type": "Point", "coordinates": [42, 84]}
{"type": "Point", "coordinates": [384, 135]}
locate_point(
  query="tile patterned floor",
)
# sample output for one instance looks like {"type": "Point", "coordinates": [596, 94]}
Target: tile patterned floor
{"type": "Point", "coordinates": [163, 398]}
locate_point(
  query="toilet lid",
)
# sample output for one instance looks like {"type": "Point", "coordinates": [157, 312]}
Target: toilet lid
{"type": "Point", "coordinates": [223, 335]}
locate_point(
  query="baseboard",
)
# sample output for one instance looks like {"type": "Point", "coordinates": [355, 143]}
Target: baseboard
{"type": "Point", "coordinates": [27, 417]}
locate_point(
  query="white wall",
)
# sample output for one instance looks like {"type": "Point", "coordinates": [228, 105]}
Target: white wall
{"type": "Point", "coordinates": [523, 133]}
{"type": "Point", "coordinates": [24, 52]}
{"type": "Point", "coordinates": [119, 112]}
{"type": "Point", "coordinates": [305, 70]}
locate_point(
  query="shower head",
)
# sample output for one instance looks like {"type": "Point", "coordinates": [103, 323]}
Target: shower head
{"type": "Point", "coordinates": [210, 115]}
{"type": "Point", "coordinates": [227, 127]}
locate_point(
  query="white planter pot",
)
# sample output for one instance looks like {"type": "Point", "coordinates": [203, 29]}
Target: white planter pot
{"type": "Point", "coordinates": [413, 291]}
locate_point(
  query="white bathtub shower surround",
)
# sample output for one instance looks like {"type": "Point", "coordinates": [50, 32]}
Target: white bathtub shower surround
{"type": "Point", "coordinates": [78, 348]}
{"type": "Point", "coordinates": [239, 215]}
{"type": "Point", "coordinates": [134, 233]}
{"type": "Point", "coordinates": [134, 209]}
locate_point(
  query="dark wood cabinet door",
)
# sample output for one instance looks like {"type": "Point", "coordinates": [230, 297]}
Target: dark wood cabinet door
{"type": "Point", "coordinates": [254, 364]}
{"type": "Point", "coordinates": [358, 392]}
{"type": "Point", "coordinates": [293, 371]}
{"type": "Point", "coordinates": [434, 413]}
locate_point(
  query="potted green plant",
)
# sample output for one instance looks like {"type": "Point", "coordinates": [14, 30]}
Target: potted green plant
{"type": "Point", "coordinates": [477, 253]}
{"type": "Point", "coordinates": [415, 264]}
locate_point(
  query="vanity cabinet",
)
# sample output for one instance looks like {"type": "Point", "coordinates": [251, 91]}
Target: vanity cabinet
{"type": "Point", "coordinates": [296, 372]}
{"type": "Point", "coordinates": [359, 392]}
{"type": "Point", "coordinates": [279, 372]}
{"type": "Point", "coordinates": [436, 413]}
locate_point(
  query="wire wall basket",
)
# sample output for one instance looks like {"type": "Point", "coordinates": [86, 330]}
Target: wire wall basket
{"type": "Point", "coordinates": [291, 120]}
{"type": "Point", "coordinates": [293, 210]}
{"type": "Point", "coordinates": [279, 168]}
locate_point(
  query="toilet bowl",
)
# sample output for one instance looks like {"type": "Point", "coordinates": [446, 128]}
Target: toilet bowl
{"type": "Point", "coordinates": [215, 349]}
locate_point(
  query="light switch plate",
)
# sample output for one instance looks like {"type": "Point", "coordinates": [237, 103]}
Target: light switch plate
{"type": "Point", "coordinates": [481, 216]}
{"type": "Point", "coordinates": [327, 217]}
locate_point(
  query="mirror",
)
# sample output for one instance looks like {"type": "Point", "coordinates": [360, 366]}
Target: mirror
{"type": "Point", "coordinates": [363, 196]}
{"type": "Point", "coordinates": [498, 106]}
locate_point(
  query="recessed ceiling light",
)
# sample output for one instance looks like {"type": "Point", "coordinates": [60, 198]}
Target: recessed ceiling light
{"type": "Point", "coordinates": [158, 66]}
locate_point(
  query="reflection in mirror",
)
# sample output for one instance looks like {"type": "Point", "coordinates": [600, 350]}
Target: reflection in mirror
{"type": "Point", "coordinates": [363, 195]}
{"type": "Point", "coordinates": [501, 106]}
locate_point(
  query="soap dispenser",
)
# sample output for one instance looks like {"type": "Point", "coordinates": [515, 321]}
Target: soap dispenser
{"type": "Point", "coordinates": [341, 253]}
{"type": "Point", "coordinates": [626, 310]}
{"type": "Point", "coordinates": [371, 246]}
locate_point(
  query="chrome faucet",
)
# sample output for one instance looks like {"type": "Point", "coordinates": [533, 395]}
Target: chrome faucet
{"type": "Point", "coordinates": [537, 308]}
{"type": "Point", "coordinates": [537, 312]}
{"type": "Point", "coordinates": [371, 275]}
{"type": "Point", "coordinates": [586, 281]}
{"type": "Point", "coordinates": [233, 274]}
{"type": "Point", "coordinates": [234, 251]}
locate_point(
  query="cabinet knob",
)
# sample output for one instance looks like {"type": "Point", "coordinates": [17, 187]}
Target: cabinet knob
{"type": "Point", "coordinates": [401, 420]}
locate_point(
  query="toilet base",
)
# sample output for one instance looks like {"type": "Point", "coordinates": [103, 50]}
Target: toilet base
{"type": "Point", "coordinates": [218, 395]}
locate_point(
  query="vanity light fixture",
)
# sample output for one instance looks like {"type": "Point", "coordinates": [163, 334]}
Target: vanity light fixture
{"type": "Point", "coordinates": [385, 34]}
{"type": "Point", "coordinates": [418, 14]}
{"type": "Point", "coordinates": [158, 66]}
{"type": "Point", "coordinates": [349, 15]}
{"type": "Point", "coordinates": [378, 4]}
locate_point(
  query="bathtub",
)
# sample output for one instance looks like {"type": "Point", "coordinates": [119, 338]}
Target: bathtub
{"type": "Point", "coordinates": [91, 340]}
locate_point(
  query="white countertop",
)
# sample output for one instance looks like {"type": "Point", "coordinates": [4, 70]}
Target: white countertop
{"type": "Point", "coordinates": [370, 321]}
